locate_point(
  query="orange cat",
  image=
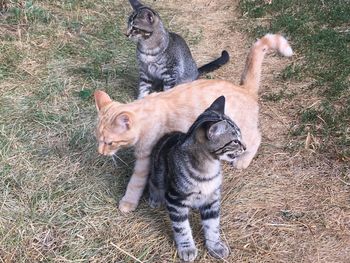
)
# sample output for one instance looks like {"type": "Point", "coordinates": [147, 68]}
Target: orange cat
{"type": "Point", "coordinates": [142, 122]}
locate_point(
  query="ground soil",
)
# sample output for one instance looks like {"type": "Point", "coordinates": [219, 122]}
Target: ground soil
{"type": "Point", "coordinates": [291, 204]}
{"type": "Point", "coordinates": [59, 198]}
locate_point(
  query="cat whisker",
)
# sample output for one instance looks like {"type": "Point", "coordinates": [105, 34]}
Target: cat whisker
{"type": "Point", "coordinates": [114, 161]}
{"type": "Point", "coordinates": [120, 159]}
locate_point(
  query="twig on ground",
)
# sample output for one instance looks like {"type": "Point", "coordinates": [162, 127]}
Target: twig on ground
{"type": "Point", "coordinates": [125, 252]}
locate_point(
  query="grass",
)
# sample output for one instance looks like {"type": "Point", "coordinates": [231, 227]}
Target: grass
{"type": "Point", "coordinates": [54, 54]}
{"type": "Point", "coordinates": [59, 198]}
{"type": "Point", "coordinates": [320, 36]}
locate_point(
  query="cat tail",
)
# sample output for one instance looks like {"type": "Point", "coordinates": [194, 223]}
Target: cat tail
{"type": "Point", "coordinates": [214, 65]}
{"type": "Point", "coordinates": [135, 4]}
{"type": "Point", "coordinates": [251, 75]}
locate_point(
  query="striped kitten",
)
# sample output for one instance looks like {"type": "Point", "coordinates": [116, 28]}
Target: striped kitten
{"type": "Point", "coordinates": [141, 123]}
{"type": "Point", "coordinates": [186, 173]}
{"type": "Point", "coordinates": [164, 58]}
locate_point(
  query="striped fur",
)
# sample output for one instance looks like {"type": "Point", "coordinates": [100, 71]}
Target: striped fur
{"type": "Point", "coordinates": [164, 58]}
{"type": "Point", "coordinates": [186, 173]}
{"type": "Point", "coordinates": [142, 123]}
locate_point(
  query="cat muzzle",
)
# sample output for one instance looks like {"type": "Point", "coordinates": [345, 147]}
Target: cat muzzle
{"type": "Point", "coordinates": [132, 31]}
{"type": "Point", "coordinates": [128, 32]}
{"type": "Point", "coordinates": [103, 150]}
{"type": "Point", "coordinates": [237, 153]}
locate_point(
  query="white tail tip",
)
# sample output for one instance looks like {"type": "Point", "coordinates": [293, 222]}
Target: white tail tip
{"type": "Point", "coordinates": [288, 52]}
{"type": "Point", "coordinates": [277, 42]}
{"type": "Point", "coordinates": [284, 48]}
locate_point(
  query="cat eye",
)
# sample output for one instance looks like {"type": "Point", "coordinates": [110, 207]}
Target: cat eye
{"type": "Point", "coordinates": [115, 143]}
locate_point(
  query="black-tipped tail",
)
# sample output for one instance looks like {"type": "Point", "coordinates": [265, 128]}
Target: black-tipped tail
{"type": "Point", "coordinates": [214, 65]}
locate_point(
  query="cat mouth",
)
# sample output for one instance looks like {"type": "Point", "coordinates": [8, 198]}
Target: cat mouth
{"type": "Point", "coordinates": [232, 156]}
{"type": "Point", "coordinates": [133, 31]}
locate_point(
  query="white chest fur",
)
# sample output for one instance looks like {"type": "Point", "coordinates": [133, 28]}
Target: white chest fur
{"type": "Point", "coordinates": [156, 65]}
{"type": "Point", "coordinates": [156, 70]}
{"type": "Point", "coordinates": [205, 190]}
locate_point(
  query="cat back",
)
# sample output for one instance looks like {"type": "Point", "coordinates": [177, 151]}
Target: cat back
{"type": "Point", "coordinates": [141, 123]}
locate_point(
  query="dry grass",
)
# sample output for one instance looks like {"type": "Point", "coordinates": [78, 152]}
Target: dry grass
{"type": "Point", "coordinates": [58, 200]}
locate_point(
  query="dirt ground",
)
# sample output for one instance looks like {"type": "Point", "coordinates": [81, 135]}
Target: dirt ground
{"type": "Point", "coordinates": [59, 202]}
{"type": "Point", "coordinates": [291, 204]}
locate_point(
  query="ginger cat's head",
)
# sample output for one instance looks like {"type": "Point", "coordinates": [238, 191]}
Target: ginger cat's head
{"type": "Point", "coordinates": [116, 127]}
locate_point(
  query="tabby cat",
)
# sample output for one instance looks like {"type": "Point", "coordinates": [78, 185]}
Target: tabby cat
{"type": "Point", "coordinates": [141, 123]}
{"type": "Point", "coordinates": [164, 58]}
{"type": "Point", "coordinates": [186, 173]}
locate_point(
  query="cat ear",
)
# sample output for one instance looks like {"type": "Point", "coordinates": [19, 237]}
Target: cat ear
{"type": "Point", "coordinates": [218, 105]}
{"type": "Point", "coordinates": [123, 120]}
{"type": "Point", "coordinates": [216, 130]}
{"type": "Point", "coordinates": [135, 4]}
{"type": "Point", "coordinates": [101, 99]}
{"type": "Point", "coordinates": [149, 16]}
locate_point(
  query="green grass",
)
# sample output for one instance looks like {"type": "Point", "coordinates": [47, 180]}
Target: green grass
{"type": "Point", "coordinates": [59, 197]}
{"type": "Point", "coordinates": [27, 12]}
{"type": "Point", "coordinates": [319, 33]}
{"type": "Point", "coordinates": [53, 55]}
{"type": "Point", "coordinates": [278, 96]}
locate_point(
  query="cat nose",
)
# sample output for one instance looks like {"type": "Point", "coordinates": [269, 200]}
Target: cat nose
{"type": "Point", "coordinates": [101, 149]}
{"type": "Point", "coordinates": [128, 32]}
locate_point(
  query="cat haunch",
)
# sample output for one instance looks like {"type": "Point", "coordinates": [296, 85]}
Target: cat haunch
{"type": "Point", "coordinates": [141, 123]}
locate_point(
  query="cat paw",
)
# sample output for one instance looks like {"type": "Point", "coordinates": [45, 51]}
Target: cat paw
{"type": "Point", "coordinates": [154, 203]}
{"type": "Point", "coordinates": [188, 254]}
{"type": "Point", "coordinates": [218, 249]}
{"type": "Point", "coordinates": [126, 207]}
{"type": "Point", "coordinates": [143, 94]}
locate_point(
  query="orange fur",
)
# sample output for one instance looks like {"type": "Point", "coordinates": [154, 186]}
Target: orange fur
{"type": "Point", "coordinates": [142, 122]}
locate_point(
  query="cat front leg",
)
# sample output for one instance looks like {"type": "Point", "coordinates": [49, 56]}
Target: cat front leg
{"type": "Point", "coordinates": [136, 185]}
{"type": "Point", "coordinates": [156, 186]}
{"type": "Point", "coordinates": [210, 215]}
{"type": "Point", "coordinates": [169, 81]}
{"type": "Point", "coordinates": [182, 231]}
{"type": "Point", "coordinates": [145, 86]}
